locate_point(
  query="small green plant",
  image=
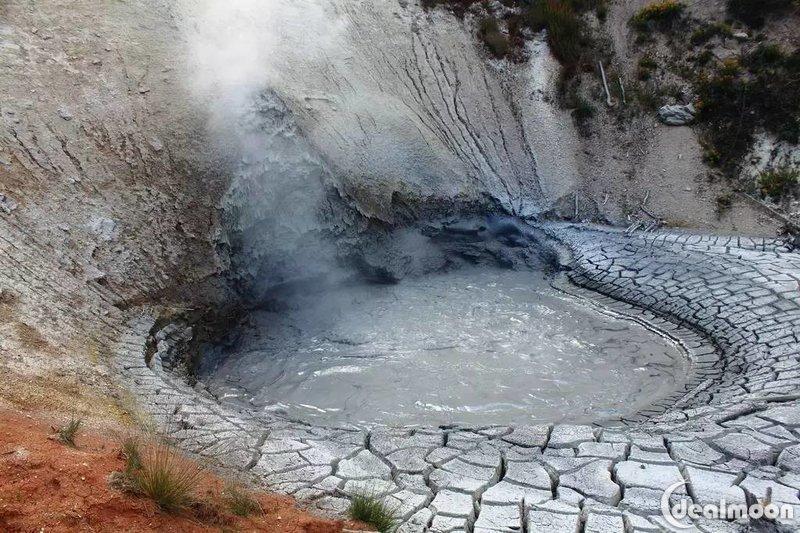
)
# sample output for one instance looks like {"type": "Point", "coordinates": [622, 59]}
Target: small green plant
{"type": "Point", "coordinates": [646, 67]}
{"type": "Point", "coordinates": [240, 501]}
{"type": "Point", "coordinates": [766, 55]}
{"type": "Point", "coordinates": [372, 511]}
{"type": "Point", "coordinates": [131, 453]}
{"type": "Point", "coordinates": [730, 67]}
{"type": "Point", "coordinates": [584, 110]}
{"type": "Point", "coordinates": [493, 38]}
{"type": "Point", "coordinates": [707, 32]}
{"type": "Point", "coordinates": [779, 183]}
{"type": "Point", "coordinates": [759, 91]}
{"type": "Point", "coordinates": [564, 31]}
{"type": "Point", "coordinates": [724, 202]}
{"type": "Point", "coordinates": [660, 15]}
{"type": "Point", "coordinates": [66, 434]}
{"type": "Point", "coordinates": [165, 476]}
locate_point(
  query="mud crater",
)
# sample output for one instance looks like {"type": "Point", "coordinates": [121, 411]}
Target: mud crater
{"type": "Point", "coordinates": [465, 327]}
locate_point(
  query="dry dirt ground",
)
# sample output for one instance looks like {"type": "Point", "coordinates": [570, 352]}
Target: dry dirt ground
{"type": "Point", "coordinates": [47, 486]}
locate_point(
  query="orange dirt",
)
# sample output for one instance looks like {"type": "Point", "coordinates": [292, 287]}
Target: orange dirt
{"type": "Point", "coordinates": [46, 486]}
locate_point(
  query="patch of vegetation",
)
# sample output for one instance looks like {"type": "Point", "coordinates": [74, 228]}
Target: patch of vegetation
{"type": "Point", "coordinates": [66, 434]}
{"type": "Point", "coordinates": [660, 16]}
{"type": "Point", "coordinates": [565, 33]}
{"type": "Point", "coordinates": [131, 454]}
{"type": "Point", "coordinates": [779, 184]}
{"type": "Point", "coordinates": [646, 67]}
{"type": "Point", "coordinates": [240, 501]}
{"type": "Point", "coordinates": [724, 202]}
{"type": "Point", "coordinates": [584, 110]}
{"type": "Point", "coordinates": [159, 472]}
{"type": "Point", "coordinates": [706, 32]}
{"type": "Point", "coordinates": [759, 92]}
{"type": "Point", "coordinates": [372, 511]}
{"type": "Point", "coordinates": [494, 40]}
{"type": "Point", "coordinates": [754, 12]}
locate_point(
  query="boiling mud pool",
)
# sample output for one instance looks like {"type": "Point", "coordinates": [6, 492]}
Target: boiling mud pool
{"type": "Point", "coordinates": [474, 347]}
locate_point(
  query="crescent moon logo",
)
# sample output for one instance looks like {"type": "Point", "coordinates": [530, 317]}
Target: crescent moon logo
{"type": "Point", "coordinates": [666, 510]}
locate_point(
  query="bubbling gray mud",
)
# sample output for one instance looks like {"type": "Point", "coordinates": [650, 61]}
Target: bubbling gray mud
{"type": "Point", "coordinates": [475, 346]}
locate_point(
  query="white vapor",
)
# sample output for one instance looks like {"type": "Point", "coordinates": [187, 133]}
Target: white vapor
{"type": "Point", "coordinates": [239, 52]}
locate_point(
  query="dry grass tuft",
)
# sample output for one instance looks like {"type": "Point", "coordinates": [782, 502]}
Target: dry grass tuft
{"type": "Point", "coordinates": [66, 434]}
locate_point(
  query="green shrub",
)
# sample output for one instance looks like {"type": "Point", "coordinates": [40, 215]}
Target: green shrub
{"type": "Point", "coordinates": [762, 92]}
{"type": "Point", "coordinates": [584, 110]}
{"type": "Point", "coordinates": [66, 434]}
{"type": "Point", "coordinates": [766, 55]}
{"type": "Point", "coordinates": [497, 43]}
{"type": "Point", "coordinates": [707, 32]}
{"type": "Point", "coordinates": [565, 31]}
{"type": "Point", "coordinates": [646, 67]}
{"type": "Point", "coordinates": [724, 202]}
{"type": "Point", "coordinates": [754, 12]}
{"type": "Point", "coordinates": [372, 511]}
{"type": "Point", "coordinates": [659, 15]}
{"type": "Point", "coordinates": [779, 183]}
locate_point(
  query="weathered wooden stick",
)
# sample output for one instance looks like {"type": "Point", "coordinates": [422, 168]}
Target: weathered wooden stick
{"type": "Point", "coordinates": [605, 84]}
{"type": "Point", "coordinates": [576, 206]}
{"type": "Point", "coordinates": [622, 90]}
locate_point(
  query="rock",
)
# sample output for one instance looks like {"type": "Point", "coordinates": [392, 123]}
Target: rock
{"type": "Point", "coordinates": [741, 36]}
{"type": "Point", "coordinates": [8, 205]}
{"type": "Point", "coordinates": [156, 144]}
{"type": "Point", "coordinates": [65, 113]}
{"type": "Point", "coordinates": [677, 115]}
{"type": "Point", "coordinates": [104, 228]}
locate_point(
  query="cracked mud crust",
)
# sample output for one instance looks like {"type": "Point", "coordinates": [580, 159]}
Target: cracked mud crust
{"type": "Point", "coordinates": [732, 301]}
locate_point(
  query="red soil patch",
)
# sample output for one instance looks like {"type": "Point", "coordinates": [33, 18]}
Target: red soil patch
{"type": "Point", "coordinates": [46, 486]}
